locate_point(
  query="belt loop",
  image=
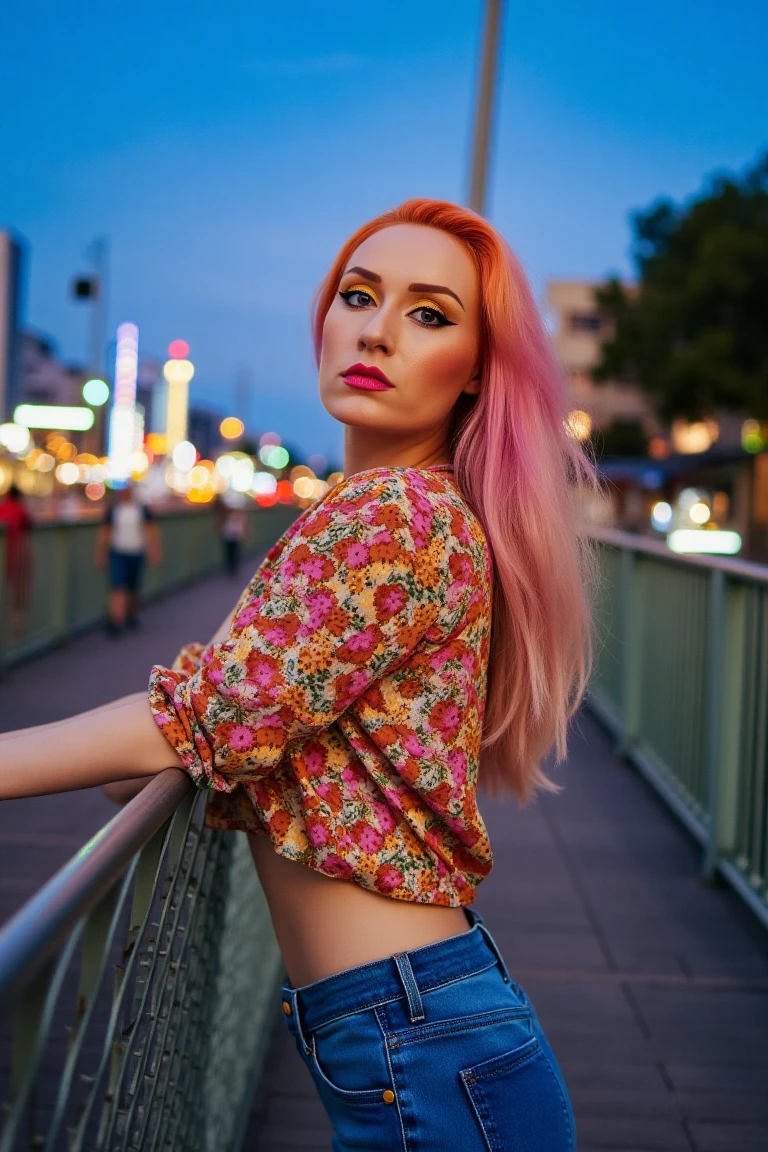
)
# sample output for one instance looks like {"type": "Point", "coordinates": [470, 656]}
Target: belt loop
{"type": "Point", "coordinates": [293, 1000]}
{"type": "Point", "coordinates": [492, 945]}
{"type": "Point", "coordinates": [405, 971]}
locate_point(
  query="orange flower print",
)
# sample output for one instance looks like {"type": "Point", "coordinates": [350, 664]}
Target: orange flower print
{"type": "Point", "coordinates": [445, 718]}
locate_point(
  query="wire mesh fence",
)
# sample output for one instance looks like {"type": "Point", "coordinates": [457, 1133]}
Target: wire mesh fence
{"type": "Point", "coordinates": [136, 1014]}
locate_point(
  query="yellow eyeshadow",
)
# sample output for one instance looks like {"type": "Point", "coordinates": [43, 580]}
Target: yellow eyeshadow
{"type": "Point", "coordinates": [428, 304]}
{"type": "Point", "coordinates": [362, 288]}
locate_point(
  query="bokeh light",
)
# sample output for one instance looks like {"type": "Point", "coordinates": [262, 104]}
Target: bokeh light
{"type": "Point", "coordinates": [95, 392]}
{"type": "Point", "coordinates": [184, 455]}
{"type": "Point", "coordinates": [178, 349]}
{"type": "Point", "coordinates": [15, 437]}
{"type": "Point", "coordinates": [231, 428]}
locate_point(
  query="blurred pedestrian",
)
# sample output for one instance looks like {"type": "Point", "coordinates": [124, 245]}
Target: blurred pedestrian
{"type": "Point", "coordinates": [232, 524]}
{"type": "Point", "coordinates": [127, 537]}
{"type": "Point", "coordinates": [18, 556]}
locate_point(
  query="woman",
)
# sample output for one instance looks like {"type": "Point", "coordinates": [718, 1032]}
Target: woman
{"type": "Point", "coordinates": [339, 713]}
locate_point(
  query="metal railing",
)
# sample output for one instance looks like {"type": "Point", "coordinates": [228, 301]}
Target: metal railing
{"type": "Point", "coordinates": [136, 988]}
{"type": "Point", "coordinates": [68, 594]}
{"type": "Point", "coordinates": [681, 678]}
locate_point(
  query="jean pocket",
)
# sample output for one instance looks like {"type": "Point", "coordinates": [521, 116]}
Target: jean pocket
{"type": "Point", "coordinates": [347, 1058]}
{"type": "Point", "coordinates": [519, 1103]}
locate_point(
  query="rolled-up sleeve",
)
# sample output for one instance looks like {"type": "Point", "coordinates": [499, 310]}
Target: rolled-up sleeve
{"type": "Point", "coordinates": [352, 593]}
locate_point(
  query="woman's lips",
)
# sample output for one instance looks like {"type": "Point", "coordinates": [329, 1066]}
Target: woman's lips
{"type": "Point", "coordinates": [368, 383]}
{"type": "Point", "coordinates": [367, 377]}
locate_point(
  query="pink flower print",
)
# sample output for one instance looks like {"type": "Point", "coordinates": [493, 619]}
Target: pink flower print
{"type": "Point", "coordinates": [288, 570]}
{"type": "Point", "coordinates": [445, 718]}
{"type": "Point", "coordinates": [345, 841]}
{"type": "Point", "coordinates": [313, 568]}
{"type": "Point", "coordinates": [241, 738]}
{"type": "Point", "coordinates": [469, 661]}
{"type": "Point", "coordinates": [320, 603]}
{"type": "Point", "coordinates": [389, 600]}
{"type": "Point", "coordinates": [440, 658]}
{"type": "Point", "coordinates": [352, 775]}
{"type": "Point", "coordinates": [314, 758]}
{"type": "Point", "coordinates": [457, 762]}
{"type": "Point", "coordinates": [442, 870]}
{"type": "Point", "coordinates": [422, 523]}
{"type": "Point", "coordinates": [161, 719]}
{"type": "Point", "coordinates": [215, 674]}
{"type": "Point", "coordinates": [384, 817]}
{"type": "Point", "coordinates": [371, 840]}
{"type": "Point", "coordinates": [388, 878]}
{"type": "Point", "coordinates": [413, 745]}
{"type": "Point", "coordinates": [276, 634]}
{"type": "Point", "coordinates": [333, 865]}
{"type": "Point", "coordinates": [317, 832]}
{"type": "Point", "coordinates": [357, 555]}
{"type": "Point", "coordinates": [246, 617]}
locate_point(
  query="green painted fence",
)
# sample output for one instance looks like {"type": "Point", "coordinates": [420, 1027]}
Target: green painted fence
{"type": "Point", "coordinates": [681, 678]}
{"type": "Point", "coordinates": [68, 594]}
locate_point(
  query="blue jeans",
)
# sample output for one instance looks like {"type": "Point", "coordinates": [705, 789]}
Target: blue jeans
{"type": "Point", "coordinates": [432, 1050]}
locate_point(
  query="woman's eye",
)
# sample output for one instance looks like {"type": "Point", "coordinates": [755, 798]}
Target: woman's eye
{"type": "Point", "coordinates": [429, 317]}
{"type": "Point", "coordinates": [357, 298]}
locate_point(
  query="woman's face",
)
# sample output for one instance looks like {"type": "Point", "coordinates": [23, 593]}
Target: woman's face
{"type": "Point", "coordinates": [408, 311]}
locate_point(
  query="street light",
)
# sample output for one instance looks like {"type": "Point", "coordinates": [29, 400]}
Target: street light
{"type": "Point", "coordinates": [178, 371]}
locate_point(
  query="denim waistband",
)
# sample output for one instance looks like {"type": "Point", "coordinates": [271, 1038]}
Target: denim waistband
{"type": "Point", "coordinates": [382, 981]}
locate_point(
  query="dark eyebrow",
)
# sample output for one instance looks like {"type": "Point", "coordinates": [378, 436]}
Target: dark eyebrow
{"type": "Point", "coordinates": [376, 279]}
{"type": "Point", "coordinates": [364, 272]}
{"type": "Point", "coordinates": [435, 288]}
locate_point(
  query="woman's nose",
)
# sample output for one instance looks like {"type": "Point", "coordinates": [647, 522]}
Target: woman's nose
{"type": "Point", "coordinates": [376, 334]}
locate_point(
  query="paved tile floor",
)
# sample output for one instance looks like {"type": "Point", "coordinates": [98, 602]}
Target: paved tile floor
{"type": "Point", "coordinates": [652, 986]}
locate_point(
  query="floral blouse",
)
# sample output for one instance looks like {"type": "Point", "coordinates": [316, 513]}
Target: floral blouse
{"type": "Point", "coordinates": [342, 716]}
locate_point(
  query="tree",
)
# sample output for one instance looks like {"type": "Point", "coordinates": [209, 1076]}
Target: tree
{"type": "Point", "coordinates": [693, 332]}
{"type": "Point", "coordinates": [621, 438]}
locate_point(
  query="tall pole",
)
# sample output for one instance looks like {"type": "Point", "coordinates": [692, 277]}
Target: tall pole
{"type": "Point", "coordinates": [98, 306]}
{"type": "Point", "coordinates": [486, 92]}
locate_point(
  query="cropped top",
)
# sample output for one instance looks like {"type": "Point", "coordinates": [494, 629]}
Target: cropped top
{"type": "Point", "coordinates": [342, 716]}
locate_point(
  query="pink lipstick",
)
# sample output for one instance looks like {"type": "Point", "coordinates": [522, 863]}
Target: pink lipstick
{"type": "Point", "coordinates": [368, 378]}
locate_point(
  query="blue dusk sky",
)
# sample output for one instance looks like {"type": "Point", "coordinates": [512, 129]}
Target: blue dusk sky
{"type": "Point", "coordinates": [227, 150]}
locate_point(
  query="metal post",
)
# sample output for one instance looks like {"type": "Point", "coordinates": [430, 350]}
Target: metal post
{"type": "Point", "coordinates": [715, 647]}
{"type": "Point", "coordinates": [485, 105]}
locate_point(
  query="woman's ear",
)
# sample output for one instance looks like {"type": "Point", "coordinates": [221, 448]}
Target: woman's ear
{"type": "Point", "coordinates": [472, 387]}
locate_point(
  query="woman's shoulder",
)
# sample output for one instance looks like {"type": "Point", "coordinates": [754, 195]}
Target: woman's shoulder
{"type": "Point", "coordinates": [412, 488]}
{"type": "Point", "coordinates": [426, 502]}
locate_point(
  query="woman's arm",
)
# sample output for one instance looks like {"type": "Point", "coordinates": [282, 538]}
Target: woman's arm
{"type": "Point", "coordinates": [118, 743]}
{"type": "Point", "coordinates": [91, 712]}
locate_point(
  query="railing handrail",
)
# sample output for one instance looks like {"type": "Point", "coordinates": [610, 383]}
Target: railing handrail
{"type": "Point", "coordinates": [34, 933]}
{"type": "Point", "coordinates": [746, 569]}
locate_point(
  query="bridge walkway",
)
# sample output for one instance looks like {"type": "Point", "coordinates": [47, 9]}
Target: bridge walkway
{"type": "Point", "coordinates": [652, 985]}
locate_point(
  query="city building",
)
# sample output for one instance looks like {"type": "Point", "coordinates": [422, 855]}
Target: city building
{"type": "Point", "coordinates": [203, 429]}
{"type": "Point", "coordinates": [12, 254]}
{"type": "Point", "coordinates": [42, 377]}
{"type": "Point", "coordinates": [579, 330]}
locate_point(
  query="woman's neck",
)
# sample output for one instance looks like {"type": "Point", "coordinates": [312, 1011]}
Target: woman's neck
{"type": "Point", "coordinates": [367, 448]}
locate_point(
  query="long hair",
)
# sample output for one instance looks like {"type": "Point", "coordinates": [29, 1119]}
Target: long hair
{"type": "Point", "coordinates": [524, 475]}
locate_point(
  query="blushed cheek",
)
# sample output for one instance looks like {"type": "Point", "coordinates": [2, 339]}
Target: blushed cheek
{"type": "Point", "coordinates": [449, 367]}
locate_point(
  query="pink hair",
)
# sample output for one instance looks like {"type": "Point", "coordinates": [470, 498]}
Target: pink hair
{"type": "Point", "coordinates": [523, 475]}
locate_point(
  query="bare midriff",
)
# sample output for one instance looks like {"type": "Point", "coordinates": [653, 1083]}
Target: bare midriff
{"type": "Point", "coordinates": [324, 925]}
